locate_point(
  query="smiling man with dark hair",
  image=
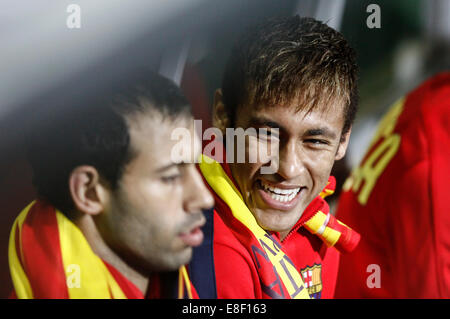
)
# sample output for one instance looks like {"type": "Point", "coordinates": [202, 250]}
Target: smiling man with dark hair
{"type": "Point", "coordinates": [115, 216]}
{"type": "Point", "coordinates": [296, 78]}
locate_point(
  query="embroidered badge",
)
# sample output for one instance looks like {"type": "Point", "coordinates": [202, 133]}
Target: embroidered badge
{"type": "Point", "coordinates": [312, 277]}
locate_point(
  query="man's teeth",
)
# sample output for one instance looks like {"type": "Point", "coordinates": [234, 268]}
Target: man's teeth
{"type": "Point", "coordinates": [281, 195]}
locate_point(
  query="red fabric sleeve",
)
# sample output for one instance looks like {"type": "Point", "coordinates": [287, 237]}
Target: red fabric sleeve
{"type": "Point", "coordinates": [437, 134]}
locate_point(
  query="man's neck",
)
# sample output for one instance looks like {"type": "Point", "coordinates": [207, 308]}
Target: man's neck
{"type": "Point", "coordinates": [101, 249]}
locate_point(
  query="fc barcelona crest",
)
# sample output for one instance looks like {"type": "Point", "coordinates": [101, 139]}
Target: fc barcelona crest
{"type": "Point", "coordinates": [312, 278]}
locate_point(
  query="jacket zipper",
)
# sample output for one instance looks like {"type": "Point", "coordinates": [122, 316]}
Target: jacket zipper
{"type": "Point", "coordinates": [297, 227]}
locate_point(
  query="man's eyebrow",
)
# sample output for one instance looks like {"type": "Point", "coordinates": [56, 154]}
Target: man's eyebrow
{"type": "Point", "coordinates": [168, 166]}
{"type": "Point", "coordinates": [320, 131]}
{"type": "Point", "coordinates": [262, 121]}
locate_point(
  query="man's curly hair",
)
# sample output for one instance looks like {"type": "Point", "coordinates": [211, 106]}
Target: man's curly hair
{"type": "Point", "coordinates": [291, 59]}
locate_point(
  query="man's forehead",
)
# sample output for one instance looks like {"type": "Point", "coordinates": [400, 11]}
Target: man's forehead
{"type": "Point", "coordinates": [326, 120]}
{"type": "Point", "coordinates": [301, 103]}
{"type": "Point", "coordinates": [292, 112]}
{"type": "Point", "coordinates": [154, 130]}
{"type": "Point", "coordinates": [159, 138]}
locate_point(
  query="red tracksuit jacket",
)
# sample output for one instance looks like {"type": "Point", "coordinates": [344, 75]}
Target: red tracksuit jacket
{"type": "Point", "coordinates": [398, 200]}
{"type": "Point", "coordinates": [234, 273]}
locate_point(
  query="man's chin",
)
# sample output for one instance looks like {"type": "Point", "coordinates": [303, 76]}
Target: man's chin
{"type": "Point", "coordinates": [184, 258]}
{"type": "Point", "coordinates": [173, 261]}
{"type": "Point", "coordinates": [276, 221]}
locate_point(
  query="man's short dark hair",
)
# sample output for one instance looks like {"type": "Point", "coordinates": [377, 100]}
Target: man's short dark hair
{"type": "Point", "coordinates": [97, 133]}
{"type": "Point", "coordinates": [291, 59]}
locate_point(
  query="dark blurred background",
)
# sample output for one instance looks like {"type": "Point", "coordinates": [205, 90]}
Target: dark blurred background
{"type": "Point", "coordinates": [44, 64]}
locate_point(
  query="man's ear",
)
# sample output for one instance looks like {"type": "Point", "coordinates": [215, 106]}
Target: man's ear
{"type": "Point", "coordinates": [343, 144]}
{"type": "Point", "coordinates": [220, 115]}
{"type": "Point", "coordinates": [90, 197]}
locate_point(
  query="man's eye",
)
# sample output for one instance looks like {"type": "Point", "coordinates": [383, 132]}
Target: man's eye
{"type": "Point", "coordinates": [315, 141]}
{"type": "Point", "coordinates": [170, 178]}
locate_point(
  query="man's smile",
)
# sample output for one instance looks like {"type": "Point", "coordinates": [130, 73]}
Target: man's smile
{"type": "Point", "coordinates": [279, 196]}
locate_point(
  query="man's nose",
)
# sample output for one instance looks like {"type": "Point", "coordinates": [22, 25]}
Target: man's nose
{"type": "Point", "coordinates": [291, 161]}
{"type": "Point", "coordinates": [197, 196]}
